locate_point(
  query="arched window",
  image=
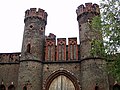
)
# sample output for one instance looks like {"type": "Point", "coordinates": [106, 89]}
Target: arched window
{"type": "Point", "coordinates": [28, 48]}
{"type": "Point", "coordinates": [11, 87]}
{"type": "Point", "coordinates": [25, 88]}
{"type": "Point", "coordinates": [2, 87]}
{"type": "Point", "coordinates": [96, 88]}
{"type": "Point", "coordinates": [116, 87]}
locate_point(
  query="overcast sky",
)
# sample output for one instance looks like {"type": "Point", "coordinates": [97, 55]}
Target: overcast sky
{"type": "Point", "coordinates": [61, 20]}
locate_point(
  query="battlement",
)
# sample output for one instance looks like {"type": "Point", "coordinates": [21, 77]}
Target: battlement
{"type": "Point", "coordinates": [51, 36]}
{"type": "Point", "coordinates": [61, 51]}
{"type": "Point", "coordinates": [9, 57]}
{"type": "Point", "coordinates": [33, 12]}
{"type": "Point", "coordinates": [88, 8]}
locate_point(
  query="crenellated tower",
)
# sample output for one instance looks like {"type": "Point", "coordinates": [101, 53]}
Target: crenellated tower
{"type": "Point", "coordinates": [32, 53]}
{"type": "Point", "coordinates": [86, 33]}
{"type": "Point", "coordinates": [93, 73]}
{"type": "Point", "coordinates": [51, 63]}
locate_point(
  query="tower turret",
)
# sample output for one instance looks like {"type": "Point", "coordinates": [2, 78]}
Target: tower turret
{"type": "Point", "coordinates": [93, 73]}
{"type": "Point", "coordinates": [34, 34]}
{"type": "Point", "coordinates": [86, 34]}
{"type": "Point", "coordinates": [32, 52]}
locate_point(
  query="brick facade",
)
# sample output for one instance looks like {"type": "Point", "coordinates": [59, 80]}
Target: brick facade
{"type": "Point", "coordinates": [44, 58]}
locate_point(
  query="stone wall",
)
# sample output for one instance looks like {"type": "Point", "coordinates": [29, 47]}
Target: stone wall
{"type": "Point", "coordinates": [93, 73]}
{"type": "Point", "coordinates": [9, 74]}
{"type": "Point", "coordinates": [9, 66]}
{"type": "Point", "coordinates": [72, 68]}
{"type": "Point", "coordinates": [9, 57]}
{"type": "Point", "coordinates": [61, 51]}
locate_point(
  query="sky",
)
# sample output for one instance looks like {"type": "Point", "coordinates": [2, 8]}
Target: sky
{"type": "Point", "coordinates": [61, 20]}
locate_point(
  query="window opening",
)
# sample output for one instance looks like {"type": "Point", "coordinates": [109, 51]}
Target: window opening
{"type": "Point", "coordinates": [41, 28]}
{"type": "Point", "coordinates": [31, 26]}
{"type": "Point", "coordinates": [28, 48]}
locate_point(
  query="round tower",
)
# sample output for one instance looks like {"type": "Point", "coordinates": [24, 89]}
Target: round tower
{"type": "Point", "coordinates": [32, 53]}
{"type": "Point", "coordinates": [93, 75]}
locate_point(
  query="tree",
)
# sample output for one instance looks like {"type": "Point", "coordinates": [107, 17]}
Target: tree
{"type": "Point", "coordinates": [108, 24]}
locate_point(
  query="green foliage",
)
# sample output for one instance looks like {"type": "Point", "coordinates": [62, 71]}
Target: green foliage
{"type": "Point", "coordinates": [97, 49]}
{"type": "Point", "coordinates": [96, 23]}
{"type": "Point", "coordinates": [114, 67]}
{"type": "Point", "coordinates": [109, 25]}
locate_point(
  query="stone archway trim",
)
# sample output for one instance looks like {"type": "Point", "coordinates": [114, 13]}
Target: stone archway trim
{"type": "Point", "coordinates": [58, 73]}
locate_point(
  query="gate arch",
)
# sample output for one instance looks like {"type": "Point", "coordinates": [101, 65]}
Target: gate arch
{"type": "Point", "coordinates": [58, 73]}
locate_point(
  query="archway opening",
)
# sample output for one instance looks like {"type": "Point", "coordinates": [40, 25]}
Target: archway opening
{"type": "Point", "coordinates": [62, 83]}
{"type": "Point", "coordinates": [61, 78]}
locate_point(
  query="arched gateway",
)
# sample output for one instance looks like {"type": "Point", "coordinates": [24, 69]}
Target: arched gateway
{"type": "Point", "coordinates": [61, 80]}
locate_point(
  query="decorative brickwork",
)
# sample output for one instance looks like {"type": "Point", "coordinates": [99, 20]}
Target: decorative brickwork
{"type": "Point", "coordinates": [85, 13]}
{"type": "Point", "coordinates": [51, 36]}
{"type": "Point", "coordinates": [34, 13]}
{"type": "Point", "coordinates": [50, 47]}
{"type": "Point", "coordinates": [89, 7]}
{"type": "Point", "coordinates": [58, 52]}
{"type": "Point", "coordinates": [50, 50]}
{"type": "Point", "coordinates": [61, 49]}
{"type": "Point", "coordinates": [42, 61]}
{"type": "Point", "coordinates": [9, 57]}
{"type": "Point", "coordinates": [72, 49]}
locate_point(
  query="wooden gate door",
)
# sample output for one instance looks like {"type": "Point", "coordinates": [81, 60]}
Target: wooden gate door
{"type": "Point", "coordinates": [62, 83]}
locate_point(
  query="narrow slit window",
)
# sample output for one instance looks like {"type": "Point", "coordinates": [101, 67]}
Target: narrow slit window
{"type": "Point", "coordinates": [28, 48]}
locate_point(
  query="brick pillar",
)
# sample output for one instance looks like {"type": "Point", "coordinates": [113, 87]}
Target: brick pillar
{"type": "Point", "coordinates": [72, 49]}
{"type": "Point", "coordinates": [50, 50]}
